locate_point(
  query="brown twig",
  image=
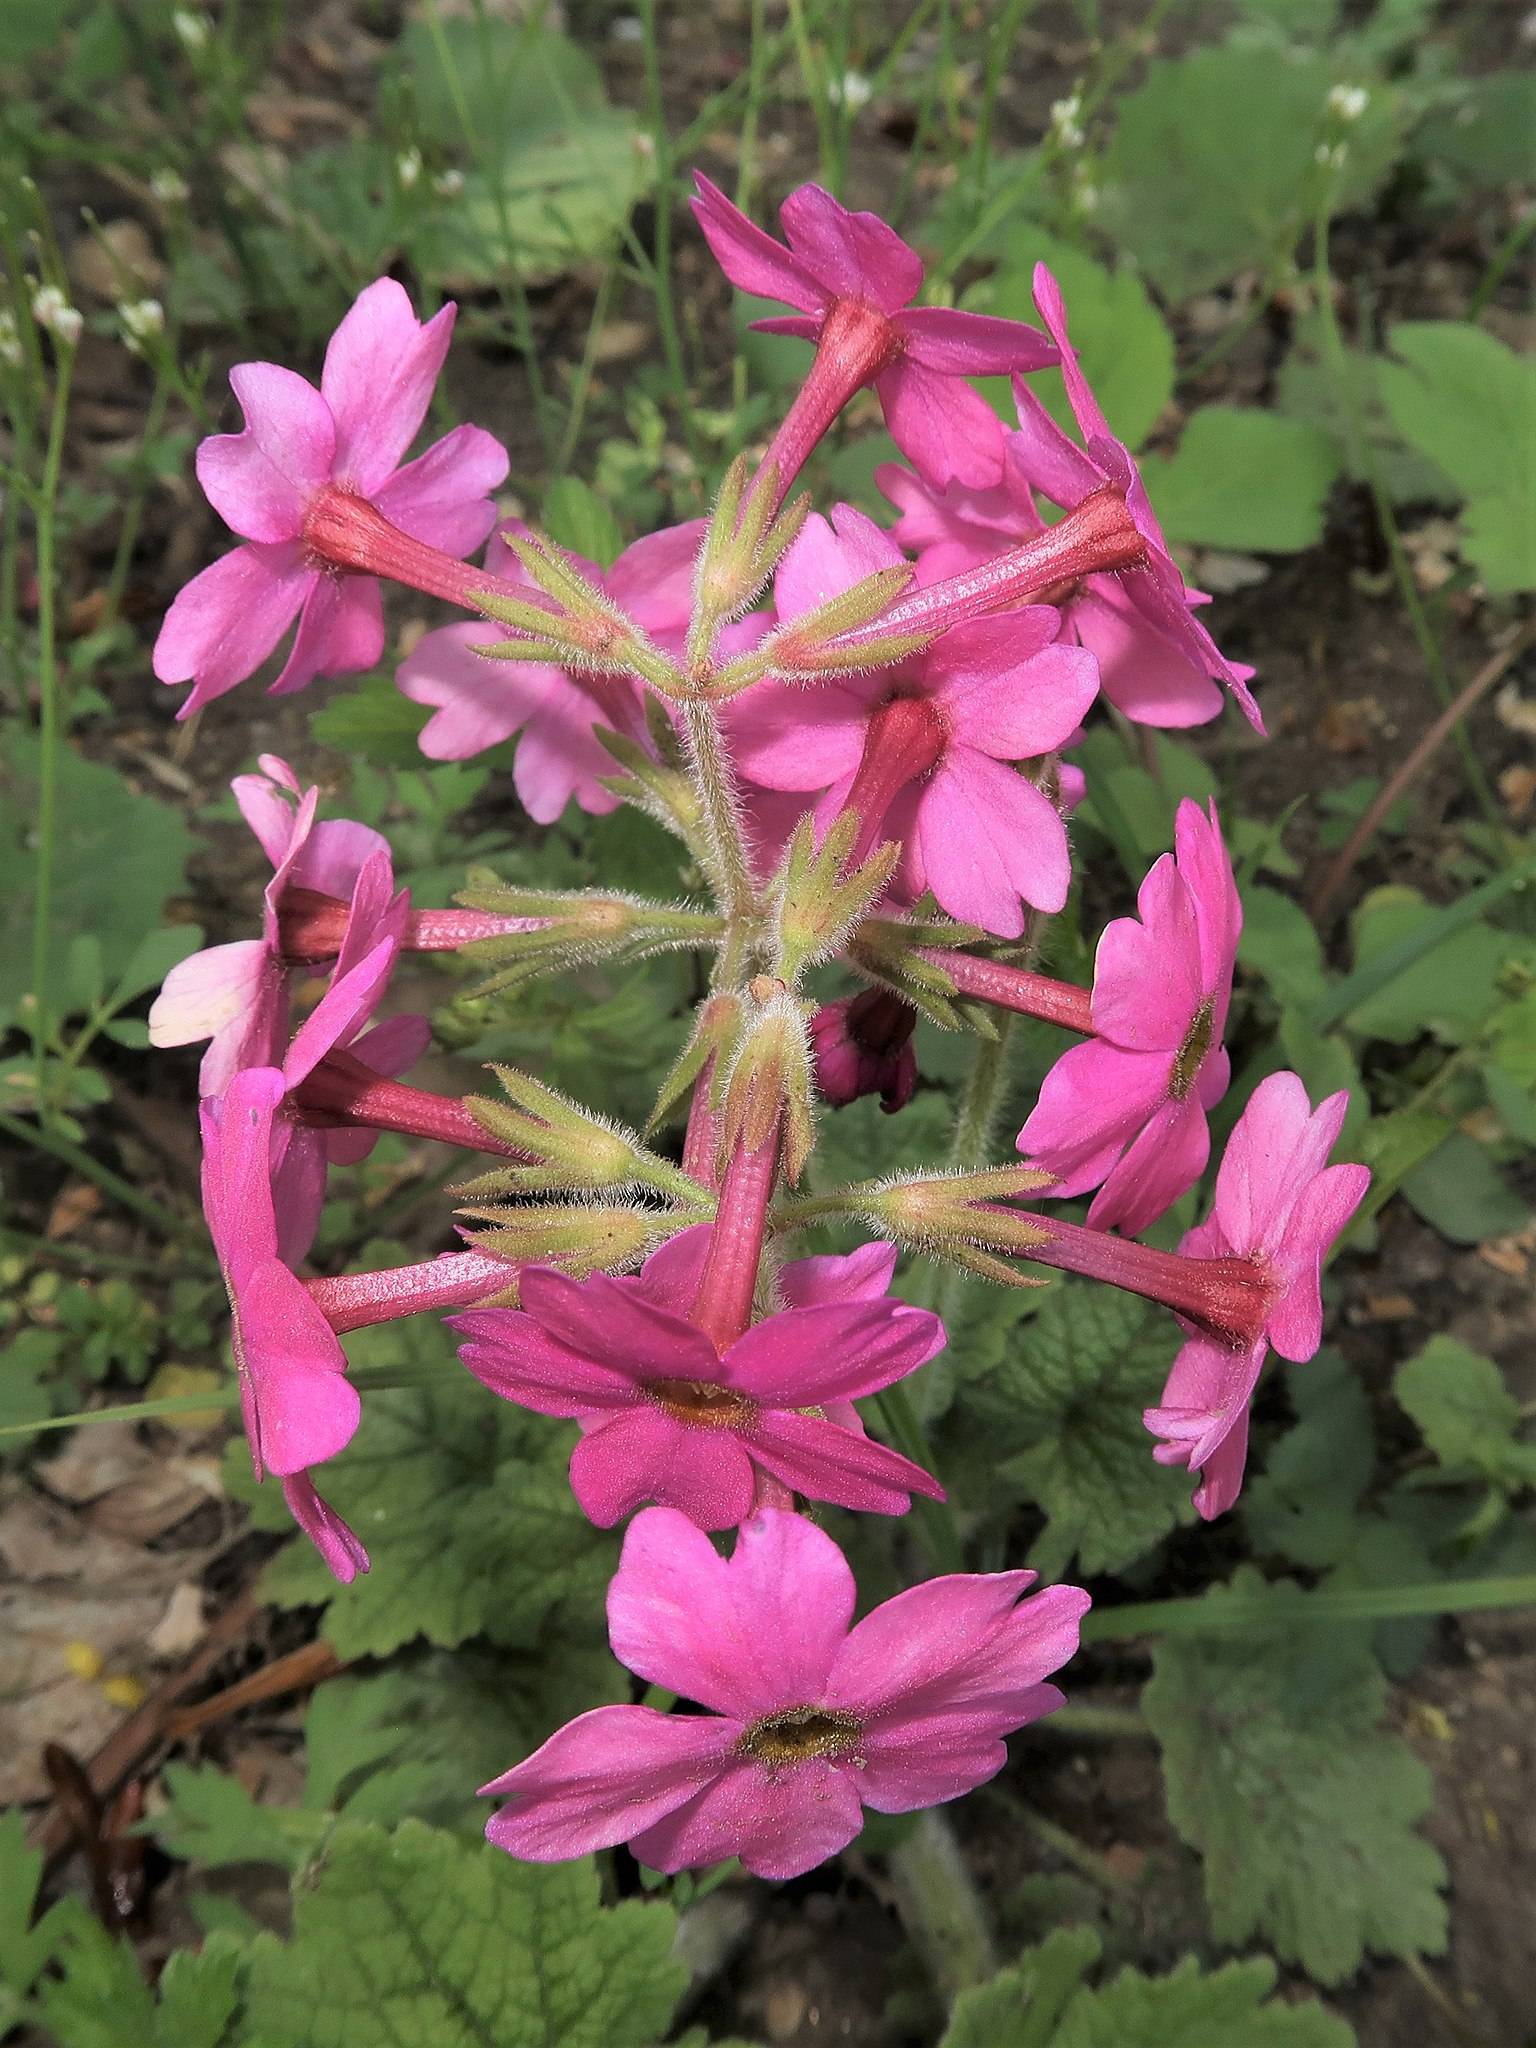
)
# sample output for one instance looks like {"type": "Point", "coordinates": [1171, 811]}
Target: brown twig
{"type": "Point", "coordinates": [296, 1672]}
{"type": "Point", "coordinates": [1410, 769]}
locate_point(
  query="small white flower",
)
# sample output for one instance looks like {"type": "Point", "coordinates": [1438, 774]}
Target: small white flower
{"type": "Point", "coordinates": [1087, 196]}
{"type": "Point", "coordinates": [1066, 121]}
{"type": "Point", "coordinates": [628, 28]}
{"type": "Point", "coordinates": [169, 187]}
{"type": "Point", "coordinates": [408, 168]}
{"type": "Point", "coordinates": [142, 319]}
{"type": "Point", "coordinates": [52, 310]}
{"type": "Point", "coordinates": [1332, 158]}
{"type": "Point", "coordinates": [10, 339]}
{"type": "Point", "coordinates": [448, 184]}
{"type": "Point", "coordinates": [853, 90]}
{"type": "Point", "coordinates": [192, 28]}
{"type": "Point", "coordinates": [1349, 102]}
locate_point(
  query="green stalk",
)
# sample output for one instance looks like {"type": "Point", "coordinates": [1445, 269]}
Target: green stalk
{"type": "Point", "coordinates": [658, 271]}
{"type": "Point", "coordinates": [937, 1898]}
{"type": "Point", "coordinates": [936, 1522]}
{"type": "Point", "coordinates": [48, 714]}
{"type": "Point", "coordinates": [714, 782]}
{"type": "Point", "coordinates": [1237, 1614]}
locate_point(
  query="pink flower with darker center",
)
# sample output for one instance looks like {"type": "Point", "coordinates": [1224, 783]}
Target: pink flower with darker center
{"type": "Point", "coordinates": [810, 1720]}
{"type": "Point", "coordinates": [298, 1406]}
{"type": "Point", "coordinates": [924, 751]}
{"type": "Point", "coordinates": [301, 448]}
{"type": "Point", "coordinates": [1159, 664]}
{"type": "Point", "coordinates": [479, 702]}
{"type": "Point", "coordinates": [853, 280]}
{"type": "Point", "coordinates": [1128, 1107]}
{"type": "Point", "coordinates": [237, 995]}
{"type": "Point", "coordinates": [1280, 1204]}
{"type": "Point", "coordinates": [666, 1416]}
{"type": "Point", "coordinates": [863, 1046]}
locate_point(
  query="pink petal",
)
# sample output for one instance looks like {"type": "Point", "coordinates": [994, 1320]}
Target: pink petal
{"type": "Point", "coordinates": [1015, 709]}
{"type": "Point", "coordinates": [826, 1462]}
{"type": "Point", "coordinates": [511, 1354]}
{"type": "Point", "coordinates": [1163, 1161]}
{"type": "Point", "coordinates": [376, 915]}
{"type": "Point", "coordinates": [333, 855]}
{"type": "Point", "coordinates": [307, 1409]}
{"type": "Point", "coordinates": [1322, 1210]}
{"type": "Point", "coordinates": [746, 1635]}
{"type": "Point", "coordinates": [236, 1176]}
{"type": "Point", "coordinates": [443, 497]}
{"type": "Point", "coordinates": [341, 632]}
{"type": "Point", "coordinates": [560, 757]}
{"type": "Point", "coordinates": [336, 1543]}
{"type": "Point", "coordinates": [340, 1012]}
{"type": "Point", "coordinates": [604, 1777]}
{"type": "Point", "coordinates": [972, 344]}
{"type": "Point", "coordinates": [478, 702]}
{"type": "Point", "coordinates": [1092, 1102]}
{"type": "Point", "coordinates": [1141, 671]}
{"type": "Point", "coordinates": [853, 255]}
{"type": "Point", "coordinates": [925, 1763]}
{"type": "Point", "coordinates": [828, 557]}
{"type": "Point", "coordinates": [380, 370]}
{"type": "Point", "coordinates": [653, 579]}
{"type": "Point", "coordinates": [988, 838]}
{"type": "Point", "coordinates": [1147, 981]}
{"type": "Point", "coordinates": [835, 1351]}
{"type": "Point", "coordinates": [644, 1455]}
{"type": "Point", "coordinates": [613, 1322]}
{"type": "Point", "coordinates": [787, 736]}
{"type": "Point", "coordinates": [862, 1275]}
{"type": "Point", "coordinates": [224, 623]}
{"type": "Point", "coordinates": [1052, 309]}
{"type": "Point", "coordinates": [260, 482]}
{"type": "Point", "coordinates": [672, 1273]}
{"type": "Point", "coordinates": [1206, 868]}
{"type": "Point", "coordinates": [1277, 1145]}
{"type": "Point", "coordinates": [962, 1645]}
{"type": "Point", "coordinates": [393, 1046]}
{"type": "Point", "coordinates": [752, 260]}
{"type": "Point", "coordinates": [947, 430]}
{"type": "Point", "coordinates": [1221, 1476]}
{"type": "Point", "coordinates": [207, 991]}
{"type": "Point", "coordinates": [1040, 457]}
{"type": "Point", "coordinates": [780, 1823]}
{"type": "Point", "coordinates": [277, 814]}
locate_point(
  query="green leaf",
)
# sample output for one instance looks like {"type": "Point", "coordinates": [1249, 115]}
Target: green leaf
{"type": "Point", "coordinates": [575, 517]}
{"type": "Point", "coordinates": [1465, 1413]}
{"type": "Point", "coordinates": [373, 722]}
{"type": "Point", "coordinates": [464, 1505]}
{"type": "Point", "coordinates": [1280, 943]}
{"type": "Point", "coordinates": [25, 1392]}
{"type": "Point", "coordinates": [1211, 168]}
{"type": "Point", "coordinates": [414, 1936]}
{"type": "Point", "coordinates": [211, 1819]}
{"type": "Point", "coordinates": [1021, 2007]}
{"type": "Point", "coordinates": [1123, 341]}
{"type": "Point", "coordinates": [1244, 479]}
{"type": "Point", "coordinates": [102, 2001]}
{"type": "Point", "coordinates": [1304, 1811]}
{"type": "Point", "coordinates": [1063, 1414]}
{"type": "Point", "coordinates": [1325, 1064]}
{"type": "Point", "coordinates": [1469, 403]}
{"type": "Point", "coordinates": [117, 857]}
{"type": "Point", "coordinates": [1460, 1192]}
{"type": "Point", "coordinates": [1304, 1502]}
{"type": "Point", "coordinates": [1192, 2008]}
{"type": "Point", "coordinates": [1146, 802]}
{"type": "Point", "coordinates": [1449, 990]}
{"type": "Point", "coordinates": [1484, 133]}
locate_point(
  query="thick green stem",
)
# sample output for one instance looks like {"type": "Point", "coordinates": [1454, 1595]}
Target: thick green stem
{"type": "Point", "coordinates": [982, 1102]}
{"type": "Point", "coordinates": [941, 1907]}
{"type": "Point", "coordinates": [713, 780]}
{"type": "Point", "coordinates": [48, 718]}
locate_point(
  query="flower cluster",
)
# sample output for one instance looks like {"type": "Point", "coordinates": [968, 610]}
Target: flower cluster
{"type": "Point", "coordinates": [862, 738]}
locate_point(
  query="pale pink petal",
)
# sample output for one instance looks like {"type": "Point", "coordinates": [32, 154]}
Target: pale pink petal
{"type": "Point", "coordinates": [510, 1353]}
{"type": "Point", "coordinates": [972, 344]}
{"type": "Point", "coordinates": [380, 370]}
{"type": "Point", "coordinates": [653, 579]}
{"type": "Point", "coordinates": [835, 1351]}
{"type": "Point", "coordinates": [604, 1777]}
{"type": "Point", "coordinates": [207, 991]}
{"type": "Point", "coordinates": [1090, 1104]}
{"type": "Point", "coordinates": [334, 853]}
{"type": "Point", "coordinates": [254, 1038]}
{"type": "Point", "coordinates": [947, 430]}
{"type": "Point", "coordinates": [560, 757]}
{"type": "Point", "coordinates": [1163, 1161]}
{"type": "Point", "coordinates": [825, 1462]}
{"type": "Point", "coordinates": [989, 838]}
{"type": "Point", "coordinates": [853, 255]}
{"type": "Point", "coordinates": [744, 1635]}
{"type": "Point", "coordinates": [336, 1543]}
{"type": "Point", "coordinates": [862, 1275]}
{"type": "Point", "coordinates": [644, 1455]}
{"type": "Point", "coordinates": [478, 702]}
{"type": "Point", "coordinates": [752, 260]}
{"type": "Point", "coordinates": [780, 1823]}
{"type": "Point", "coordinates": [443, 497]}
{"type": "Point", "coordinates": [278, 811]}
{"type": "Point", "coordinates": [341, 632]}
{"type": "Point", "coordinates": [307, 1409]}
{"type": "Point", "coordinates": [224, 623]}
{"type": "Point", "coordinates": [260, 482]}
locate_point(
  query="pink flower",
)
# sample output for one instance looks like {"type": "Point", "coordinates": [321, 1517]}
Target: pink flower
{"type": "Point", "coordinates": [1157, 661]}
{"type": "Point", "coordinates": [298, 446]}
{"type": "Point", "coordinates": [479, 703]}
{"type": "Point", "coordinates": [667, 1417]}
{"type": "Point", "coordinates": [237, 995]}
{"type": "Point", "coordinates": [1128, 1107]}
{"type": "Point", "coordinates": [853, 280]}
{"type": "Point", "coordinates": [809, 1720]}
{"type": "Point", "coordinates": [298, 1406]}
{"type": "Point", "coordinates": [863, 1046]}
{"type": "Point", "coordinates": [1281, 1205]}
{"type": "Point", "coordinates": [922, 750]}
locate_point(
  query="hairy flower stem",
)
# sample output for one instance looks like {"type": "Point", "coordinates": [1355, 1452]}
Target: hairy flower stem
{"type": "Point", "coordinates": [1014, 988]}
{"type": "Point", "coordinates": [941, 1907]}
{"type": "Point", "coordinates": [701, 1141]}
{"type": "Point", "coordinates": [723, 1308]}
{"type": "Point", "coordinates": [353, 1301]}
{"type": "Point", "coordinates": [716, 786]}
{"type": "Point", "coordinates": [343, 1092]}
